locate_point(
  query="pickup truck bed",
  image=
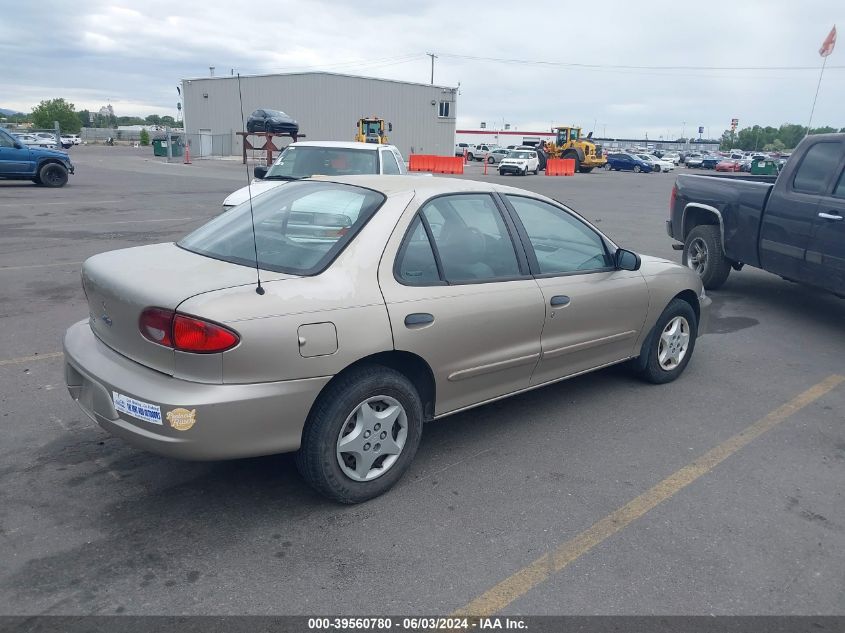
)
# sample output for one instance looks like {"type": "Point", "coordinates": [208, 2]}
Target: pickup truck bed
{"type": "Point", "coordinates": [792, 225]}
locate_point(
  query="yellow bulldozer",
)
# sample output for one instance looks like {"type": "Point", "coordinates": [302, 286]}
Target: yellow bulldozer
{"type": "Point", "coordinates": [569, 144]}
{"type": "Point", "coordinates": [372, 130]}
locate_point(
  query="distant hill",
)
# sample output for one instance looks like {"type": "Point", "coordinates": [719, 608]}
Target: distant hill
{"type": "Point", "coordinates": [7, 112]}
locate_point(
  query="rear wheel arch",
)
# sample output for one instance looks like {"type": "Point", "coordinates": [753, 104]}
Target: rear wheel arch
{"type": "Point", "coordinates": [410, 365]}
{"type": "Point", "coordinates": [698, 214]}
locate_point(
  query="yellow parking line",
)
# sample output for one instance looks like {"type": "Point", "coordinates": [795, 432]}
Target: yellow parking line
{"type": "Point", "coordinates": [26, 359]}
{"type": "Point", "coordinates": [517, 585]}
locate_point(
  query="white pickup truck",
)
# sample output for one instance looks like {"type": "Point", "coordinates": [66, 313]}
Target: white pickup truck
{"type": "Point", "coordinates": [325, 158]}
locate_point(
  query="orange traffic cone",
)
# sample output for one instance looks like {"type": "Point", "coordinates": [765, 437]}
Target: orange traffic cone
{"type": "Point", "coordinates": [188, 155]}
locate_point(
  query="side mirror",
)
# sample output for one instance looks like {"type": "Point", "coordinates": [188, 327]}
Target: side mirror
{"type": "Point", "coordinates": [389, 127]}
{"type": "Point", "coordinates": [260, 171]}
{"type": "Point", "coordinates": [626, 260]}
{"type": "Point", "coordinates": [18, 145]}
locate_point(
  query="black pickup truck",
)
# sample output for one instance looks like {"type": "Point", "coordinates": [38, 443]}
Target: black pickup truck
{"type": "Point", "coordinates": [792, 225]}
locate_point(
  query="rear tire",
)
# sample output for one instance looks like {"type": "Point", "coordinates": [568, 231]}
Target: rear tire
{"type": "Point", "coordinates": [53, 175]}
{"type": "Point", "coordinates": [670, 344]}
{"type": "Point", "coordinates": [703, 253]}
{"type": "Point", "coordinates": [469, 156]}
{"type": "Point", "coordinates": [349, 408]}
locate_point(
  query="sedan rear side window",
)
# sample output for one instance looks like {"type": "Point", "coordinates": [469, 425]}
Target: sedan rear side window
{"type": "Point", "coordinates": [299, 228]}
{"type": "Point", "coordinates": [416, 265]}
{"type": "Point", "coordinates": [471, 238]}
{"type": "Point", "coordinates": [816, 168]}
{"type": "Point", "coordinates": [561, 242]}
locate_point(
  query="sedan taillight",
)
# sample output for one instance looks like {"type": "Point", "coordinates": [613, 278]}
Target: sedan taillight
{"type": "Point", "coordinates": [185, 333]}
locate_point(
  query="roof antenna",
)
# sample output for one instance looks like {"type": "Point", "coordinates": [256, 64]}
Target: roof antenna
{"type": "Point", "coordinates": [259, 290]}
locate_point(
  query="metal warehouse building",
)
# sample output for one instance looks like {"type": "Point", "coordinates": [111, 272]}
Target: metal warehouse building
{"type": "Point", "coordinates": [326, 105]}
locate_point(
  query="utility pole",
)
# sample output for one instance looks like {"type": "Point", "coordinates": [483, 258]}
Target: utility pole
{"type": "Point", "coordinates": [433, 57]}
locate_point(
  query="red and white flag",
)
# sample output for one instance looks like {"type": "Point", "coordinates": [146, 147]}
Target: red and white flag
{"type": "Point", "coordinates": [829, 43]}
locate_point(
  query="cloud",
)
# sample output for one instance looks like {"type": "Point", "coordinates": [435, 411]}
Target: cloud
{"type": "Point", "coordinates": [133, 54]}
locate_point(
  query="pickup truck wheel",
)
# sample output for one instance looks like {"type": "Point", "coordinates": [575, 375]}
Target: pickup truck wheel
{"type": "Point", "coordinates": [704, 254]}
{"type": "Point", "coordinates": [361, 434]}
{"type": "Point", "coordinates": [469, 156]}
{"type": "Point", "coordinates": [53, 175]}
{"type": "Point", "coordinates": [668, 349]}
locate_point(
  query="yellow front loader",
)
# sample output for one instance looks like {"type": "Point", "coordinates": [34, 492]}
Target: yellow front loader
{"type": "Point", "coordinates": [569, 144]}
{"type": "Point", "coordinates": [372, 130]}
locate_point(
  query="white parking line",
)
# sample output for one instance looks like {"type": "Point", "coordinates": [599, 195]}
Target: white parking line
{"type": "Point", "coordinates": [49, 204]}
{"type": "Point", "coordinates": [141, 221]}
{"type": "Point", "coordinates": [2, 268]}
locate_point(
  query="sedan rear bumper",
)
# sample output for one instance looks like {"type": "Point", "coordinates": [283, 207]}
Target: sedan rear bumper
{"type": "Point", "coordinates": [218, 421]}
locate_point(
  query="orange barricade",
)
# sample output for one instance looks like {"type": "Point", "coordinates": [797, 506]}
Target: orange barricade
{"type": "Point", "coordinates": [560, 167]}
{"type": "Point", "coordinates": [439, 164]}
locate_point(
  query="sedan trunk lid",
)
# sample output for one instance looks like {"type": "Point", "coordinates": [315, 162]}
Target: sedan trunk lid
{"type": "Point", "coordinates": [119, 285]}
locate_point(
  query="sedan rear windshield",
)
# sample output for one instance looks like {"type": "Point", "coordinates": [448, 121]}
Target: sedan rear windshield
{"type": "Point", "coordinates": [302, 162]}
{"type": "Point", "coordinates": [299, 228]}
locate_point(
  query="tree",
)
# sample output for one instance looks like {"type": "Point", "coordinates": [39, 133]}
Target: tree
{"type": "Point", "coordinates": [145, 137]}
{"type": "Point", "coordinates": [168, 120]}
{"type": "Point", "coordinates": [84, 118]}
{"type": "Point", "coordinates": [153, 119]}
{"type": "Point", "coordinates": [46, 112]}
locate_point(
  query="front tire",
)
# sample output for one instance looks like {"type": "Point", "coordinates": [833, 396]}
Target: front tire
{"type": "Point", "coordinates": [703, 253]}
{"type": "Point", "coordinates": [637, 169]}
{"type": "Point", "coordinates": [669, 347]}
{"type": "Point", "coordinates": [361, 434]}
{"type": "Point", "coordinates": [608, 167]}
{"type": "Point", "coordinates": [53, 175]}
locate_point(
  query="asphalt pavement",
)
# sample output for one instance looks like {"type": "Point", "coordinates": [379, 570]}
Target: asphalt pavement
{"type": "Point", "coordinates": [720, 493]}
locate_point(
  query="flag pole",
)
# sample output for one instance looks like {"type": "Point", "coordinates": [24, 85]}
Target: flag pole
{"type": "Point", "coordinates": [819, 85]}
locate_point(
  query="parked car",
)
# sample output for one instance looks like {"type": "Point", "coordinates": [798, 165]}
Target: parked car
{"type": "Point", "coordinates": [330, 158]}
{"type": "Point", "coordinates": [495, 156]}
{"type": "Point", "coordinates": [75, 139]}
{"type": "Point", "coordinates": [264, 120]}
{"type": "Point", "coordinates": [657, 164]}
{"type": "Point", "coordinates": [37, 141]}
{"type": "Point", "coordinates": [469, 148]}
{"type": "Point", "coordinates": [729, 164]}
{"type": "Point", "coordinates": [42, 166]}
{"type": "Point", "coordinates": [672, 157]}
{"type": "Point", "coordinates": [520, 161]}
{"type": "Point", "coordinates": [693, 160]}
{"type": "Point", "coordinates": [627, 162]}
{"type": "Point", "coordinates": [428, 297]}
{"type": "Point", "coordinates": [710, 162]}
{"type": "Point", "coordinates": [66, 141]}
{"type": "Point", "coordinates": [792, 224]}
{"type": "Point", "coordinates": [481, 151]}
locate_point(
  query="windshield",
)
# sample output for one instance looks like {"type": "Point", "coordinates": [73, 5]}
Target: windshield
{"type": "Point", "coordinates": [519, 155]}
{"type": "Point", "coordinates": [275, 113]}
{"type": "Point", "coordinates": [302, 162]}
{"type": "Point", "coordinates": [299, 228]}
{"type": "Point", "coordinates": [372, 127]}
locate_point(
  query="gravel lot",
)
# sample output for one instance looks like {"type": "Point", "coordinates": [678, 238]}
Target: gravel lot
{"type": "Point", "coordinates": [91, 526]}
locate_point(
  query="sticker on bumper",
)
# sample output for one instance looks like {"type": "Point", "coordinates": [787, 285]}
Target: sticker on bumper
{"type": "Point", "coordinates": [137, 409]}
{"type": "Point", "coordinates": [182, 419]}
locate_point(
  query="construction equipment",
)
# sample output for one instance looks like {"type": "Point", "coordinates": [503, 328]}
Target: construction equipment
{"type": "Point", "coordinates": [372, 130]}
{"type": "Point", "coordinates": [569, 144]}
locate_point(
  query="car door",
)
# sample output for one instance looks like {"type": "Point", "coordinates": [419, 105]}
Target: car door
{"type": "Point", "coordinates": [14, 160]}
{"type": "Point", "coordinates": [460, 295]}
{"type": "Point", "coordinates": [625, 163]}
{"type": "Point", "coordinates": [826, 252]}
{"type": "Point", "coordinates": [791, 212]}
{"type": "Point", "coordinates": [389, 165]}
{"type": "Point", "coordinates": [593, 312]}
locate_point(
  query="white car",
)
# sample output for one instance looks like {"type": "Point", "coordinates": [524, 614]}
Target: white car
{"type": "Point", "coordinates": [36, 141]}
{"type": "Point", "coordinates": [657, 164]}
{"type": "Point", "coordinates": [325, 158]}
{"type": "Point", "coordinates": [520, 161]}
{"type": "Point", "coordinates": [672, 157]}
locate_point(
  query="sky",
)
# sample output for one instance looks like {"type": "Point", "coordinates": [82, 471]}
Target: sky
{"type": "Point", "coordinates": [622, 68]}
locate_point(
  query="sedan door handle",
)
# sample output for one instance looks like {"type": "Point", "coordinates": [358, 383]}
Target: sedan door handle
{"type": "Point", "coordinates": [418, 319]}
{"type": "Point", "coordinates": [830, 216]}
{"type": "Point", "coordinates": [559, 301]}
